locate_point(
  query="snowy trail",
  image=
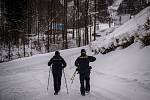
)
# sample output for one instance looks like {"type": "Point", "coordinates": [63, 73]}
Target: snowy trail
{"type": "Point", "coordinates": [26, 79]}
{"type": "Point", "coordinates": [118, 88]}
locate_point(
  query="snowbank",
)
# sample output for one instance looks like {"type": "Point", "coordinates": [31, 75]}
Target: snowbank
{"type": "Point", "coordinates": [124, 35]}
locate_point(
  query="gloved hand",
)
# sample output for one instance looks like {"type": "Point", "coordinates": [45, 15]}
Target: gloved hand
{"type": "Point", "coordinates": [77, 69]}
{"type": "Point", "coordinates": [90, 67]}
{"type": "Point", "coordinates": [63, 66]}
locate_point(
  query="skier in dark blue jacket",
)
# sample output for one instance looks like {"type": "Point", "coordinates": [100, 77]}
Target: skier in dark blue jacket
{"type": "Point", "coordinates": [58, 63]}
{"type": "Point", "coordinates": [82, 64]}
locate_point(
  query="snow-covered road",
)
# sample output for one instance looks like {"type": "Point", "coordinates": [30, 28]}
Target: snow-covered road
{"type": "Point", "coordinates": [26, 78]}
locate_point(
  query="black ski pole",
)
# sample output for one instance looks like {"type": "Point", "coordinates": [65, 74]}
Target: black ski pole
{"type": "Point", "coordinates": [73, 76]}
{"type": "Point", "coordinates": [48, 78]}
{"type": "Point", "coordinates": [65, 82]}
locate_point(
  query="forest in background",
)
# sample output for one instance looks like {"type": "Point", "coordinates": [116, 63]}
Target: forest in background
{"type": "Point", "coordinates": [29, 27]}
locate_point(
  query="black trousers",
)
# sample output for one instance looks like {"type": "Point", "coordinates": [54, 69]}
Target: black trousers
{"type": "Point", "coordinates": [57, 80]}
{"type": "Point", "coordinates": [85, 82]}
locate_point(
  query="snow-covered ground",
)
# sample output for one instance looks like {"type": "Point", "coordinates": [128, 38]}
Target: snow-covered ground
{"type": "Point", "coordinates": [119, 75]}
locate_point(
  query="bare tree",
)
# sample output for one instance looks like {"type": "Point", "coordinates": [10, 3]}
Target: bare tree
{"type": "Point", "coordinates": [65, 25]}
{"type": "Point", "coordinates": [95, 20]}
{"type": "Point", "coordinates": [86, 22]}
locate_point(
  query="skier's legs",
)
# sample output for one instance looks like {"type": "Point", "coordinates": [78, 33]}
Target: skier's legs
{"type": "Point", "coordinates": [59, 80]}
{"type": "Point", "coordinates": [55, 80]}
{"type": "Point", "coordinates": [87, 79]}
{"type": "Point", "coordinates": [82, 88]}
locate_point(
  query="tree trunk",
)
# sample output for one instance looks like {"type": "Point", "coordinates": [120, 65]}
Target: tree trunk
{"type": "Point", "coordinates": [95, 23]}
{"type": "Point", "coordinates": [86, 22]}
{"type": "Point", "coordinates": [65, 25]}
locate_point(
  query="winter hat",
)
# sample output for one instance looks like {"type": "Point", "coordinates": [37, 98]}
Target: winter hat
{"type": "Point", "coordinates": [83, 51]}
{"type": "Point", "coordinates": [57, 53]}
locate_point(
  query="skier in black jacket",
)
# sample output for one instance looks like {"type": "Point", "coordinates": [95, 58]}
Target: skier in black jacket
{"type": "Point", "coordinates": [58, 63]}
{"type": "Point", "coordinates": [82, 64]}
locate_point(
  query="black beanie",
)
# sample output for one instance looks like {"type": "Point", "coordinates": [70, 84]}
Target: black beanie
{"type": "Point", "coordinates": [83, 51]}
{"type": "Point", "coordinates": [57, 53]}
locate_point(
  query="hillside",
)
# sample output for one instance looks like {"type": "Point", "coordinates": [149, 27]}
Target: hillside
{"type": "Point", "coordinates": [123, 36]}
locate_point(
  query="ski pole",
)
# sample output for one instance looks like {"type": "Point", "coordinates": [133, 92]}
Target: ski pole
{"type": "Point", "coordinates": [73, 76]}
{"type": "Point", "coordinates": [65, 82]}
{"type": "Point", "coordinates": [48, 78]}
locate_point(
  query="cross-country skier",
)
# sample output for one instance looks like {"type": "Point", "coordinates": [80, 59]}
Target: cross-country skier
{"type": "Point", "coordinates": [82, 64]}
{"type": "Point", "coordinates": [58, 63]}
